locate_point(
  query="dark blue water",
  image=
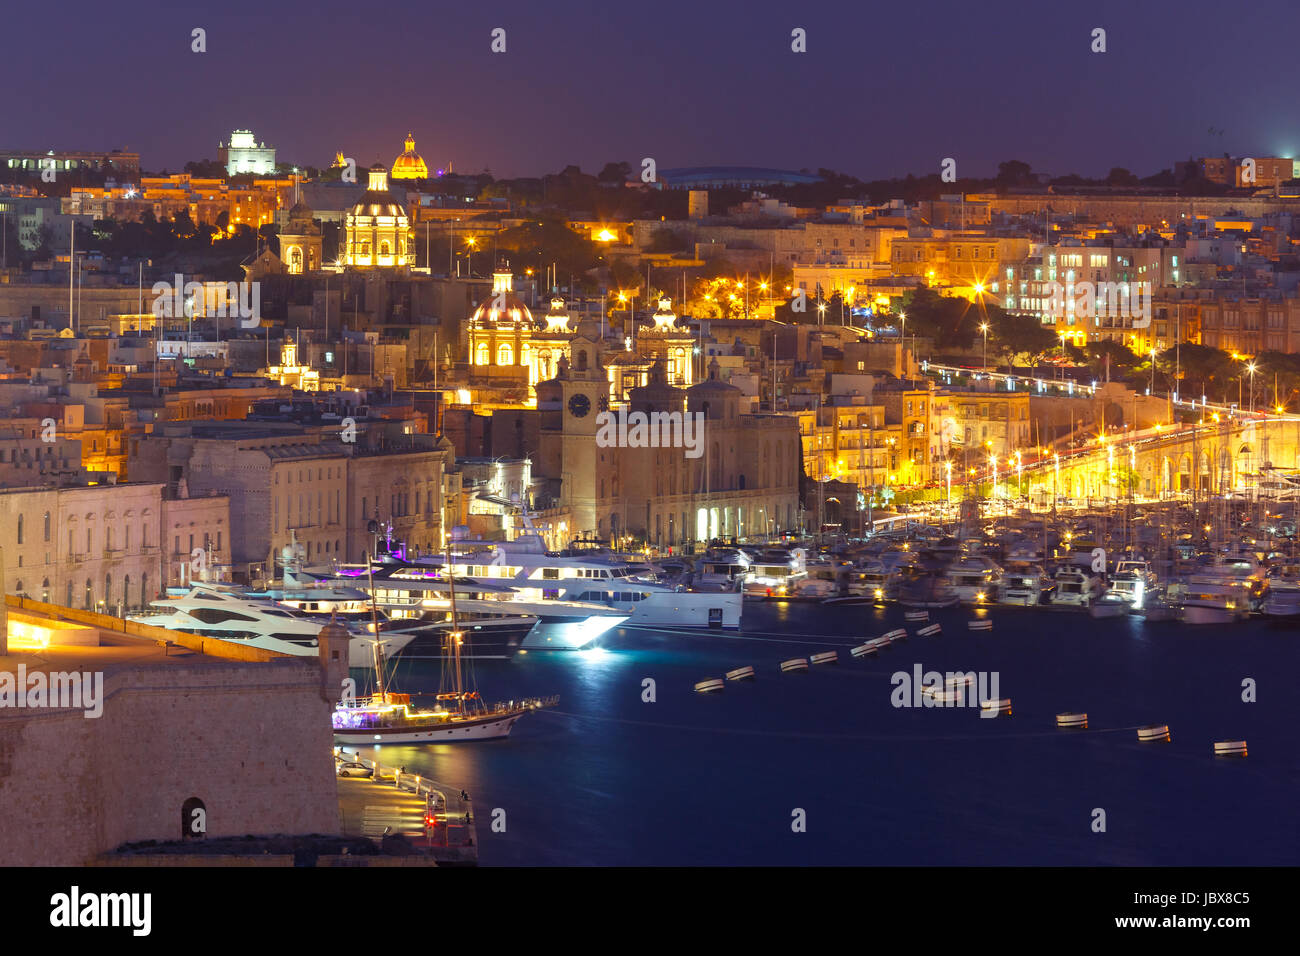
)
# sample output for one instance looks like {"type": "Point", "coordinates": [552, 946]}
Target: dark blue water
{"type": "Point", "coordinates": [714, 779]}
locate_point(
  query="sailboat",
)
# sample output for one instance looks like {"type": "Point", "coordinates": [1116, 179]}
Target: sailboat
{"type": "Point", "coordinates": [460, 713]}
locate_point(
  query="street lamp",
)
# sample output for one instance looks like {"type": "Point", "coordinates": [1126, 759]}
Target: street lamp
{"type": "Point", "coordinates": [821, 312]}
{"type": "Point", "coordinates": [1250, 367]}
{"type": "Point", "coordinates": [1056, 477]}
{"type": "Point", "coordinates": [947, 467]}
{"type": "Point", "coordinates": [1153, 373]}
{"type": "Point", "coordinates": [984, 327]}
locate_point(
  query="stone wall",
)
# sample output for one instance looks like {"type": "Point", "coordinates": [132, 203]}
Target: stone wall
{"type": "Point", "coordinates": [252, 741]}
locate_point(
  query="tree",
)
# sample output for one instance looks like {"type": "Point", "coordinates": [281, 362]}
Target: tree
{"type": "Point", "coordinates": [1119, 176]}
{"type": "Point", "coordinates": [206, 169]}
{"type": "Point", "coordinates": [1013, 172]}
{"type": "Point", "coordinates": [614, 173]}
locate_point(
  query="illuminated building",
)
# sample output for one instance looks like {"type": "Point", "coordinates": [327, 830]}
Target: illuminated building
{"type": "Point", "coordinates": [377, 228]}
{"type": "Point", "coordinates": [410, 165]}
{"type": "Point", "coordinates": [500, 334]}
{"type": "Point", "coordinates": [243, 154]}
{"type": "Point", "coordinates": [300, 242]}
{"type": "Point", "coordinates": [665, 341]}
{"type": "Point", "coordinates": [290, 372]}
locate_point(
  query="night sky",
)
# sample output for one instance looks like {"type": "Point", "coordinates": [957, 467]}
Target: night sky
{"type": "Point", "coordinates": [884, 89]}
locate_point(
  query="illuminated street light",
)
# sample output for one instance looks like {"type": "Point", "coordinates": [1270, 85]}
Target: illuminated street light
{"type": "Point", "coordinates": [984, 327]}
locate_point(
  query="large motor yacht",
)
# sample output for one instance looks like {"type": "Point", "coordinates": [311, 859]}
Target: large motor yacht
{"type": "Point", "coordinates": [590, 576]}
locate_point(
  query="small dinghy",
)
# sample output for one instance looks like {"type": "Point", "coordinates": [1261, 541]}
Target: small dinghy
{"type": "Point", "coordinates": [1230, 748]}
{"type": "Point", "coordinates": [793, 665]}
{"type": "Point", "coordinates": [863, 650]}
{"type": "Point", "coordinates": [929, 630]}
{"type": "Point", "coordinates": [982, 624]}
{"type": "Point", "coordinates": [1153, 733]}
{"type": "Point", "coordinates": [999, 707]}
{"type": "Point", "coordinates": [916, 615]}
{"type": "Point", "coordinates": [1074, 721]}
{"type": "Point", "coordinates": [709, 686]}
{"type": "Point", "coordinates": [826, 657]}
{"type": "Point", "coordinates": [741, 673]}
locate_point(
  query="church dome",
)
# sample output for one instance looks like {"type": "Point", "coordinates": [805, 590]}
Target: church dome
{"type": "Point", "coordinates": [502, 309]}
{"type": "Point", "coordinates": [377, 200]}
{"type": "Point", "coordinates": [410, 165]}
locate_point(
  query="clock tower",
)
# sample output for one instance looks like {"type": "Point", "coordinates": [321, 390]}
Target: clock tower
{"type": "Point", "coordinates": [571, 405]}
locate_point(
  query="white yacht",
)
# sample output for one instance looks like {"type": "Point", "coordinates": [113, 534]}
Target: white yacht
{"type": "Point", "coordinates": [1023, 585]}
{"type": "Point", "coordinates": [1223, 592]}
{"type": "Point", "coordinates": [413, 592]}
{"type": "Point", "coordinates": [975, 579]}
{"type": "Point", "coordinates": [775, 573]}
{"type": "Point", "coordinates": [233, 613]}
{"type": "Point", "coordinates": [1076, 587]}
{"type": "Point", "coordinates": [1132, 581]}
{"type": "Point", "coordinates": [1283, 603]}
{"type": "Point", "coordinates": [592, 577]}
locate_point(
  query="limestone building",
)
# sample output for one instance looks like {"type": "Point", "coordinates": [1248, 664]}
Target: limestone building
{"type": "Point", "coordinates": [377, 231]}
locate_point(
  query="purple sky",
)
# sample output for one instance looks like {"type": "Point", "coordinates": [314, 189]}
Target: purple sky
{"type": "Point", "coordinates": [883, 90]}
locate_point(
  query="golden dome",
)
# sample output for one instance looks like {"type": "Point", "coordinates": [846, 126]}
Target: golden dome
{"type": "Point", "coordinates": [410, 165]}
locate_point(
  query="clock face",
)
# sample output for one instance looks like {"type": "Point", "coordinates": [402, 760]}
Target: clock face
{"type": "Point", "coordinates": [579, 406]}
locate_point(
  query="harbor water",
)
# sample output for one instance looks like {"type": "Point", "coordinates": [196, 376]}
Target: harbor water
{"type": "Point", "coordinates": [610, 778]}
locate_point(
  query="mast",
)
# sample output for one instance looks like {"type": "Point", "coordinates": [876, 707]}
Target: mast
{"type": "Point", "coordinates": [374, 623]}
{"type": "Point", "coordinates": [454, 636]}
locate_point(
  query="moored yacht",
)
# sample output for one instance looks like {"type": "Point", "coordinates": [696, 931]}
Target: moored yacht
{"type": "Point", "coordinates": [233, 613]}
{"type": "Point", "coordinates": [975, 579]}
{"type": "Point", "coordinates": [592, 577]}
{"type": "Point", "coordinates": [1224, 592]}
{"type": "Point", "coordinates": [1023, 584]}
{"type": "Point", "coordinates": [927, 585]}
{"type": "Point", "coordinates": [1075, 587]}
{"type": "Point", "coordinates": [1133, 580]}
{"type": "Point", "coordinates": [495, 616]}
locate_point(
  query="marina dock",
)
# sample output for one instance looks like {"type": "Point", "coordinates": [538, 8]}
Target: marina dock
{"type": "Point", "coordinates": [433, 818]}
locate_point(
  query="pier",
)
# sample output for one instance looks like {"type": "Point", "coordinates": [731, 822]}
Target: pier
{"type": "Point", "coordinates": [432, 817]}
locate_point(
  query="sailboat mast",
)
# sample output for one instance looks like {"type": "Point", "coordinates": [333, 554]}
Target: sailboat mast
{"type": "Point", "coordinates": [455, 635]}
{"type": "Point", "coordinates": [374, 625]}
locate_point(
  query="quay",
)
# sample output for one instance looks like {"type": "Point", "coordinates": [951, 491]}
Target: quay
{"type": "Point", "coordinates": [432, 818]}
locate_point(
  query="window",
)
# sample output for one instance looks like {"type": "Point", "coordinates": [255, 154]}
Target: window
{"type": "Point", "coordinates": [20, 533]}
{"type": "Point", "coordinates": [505, 354]}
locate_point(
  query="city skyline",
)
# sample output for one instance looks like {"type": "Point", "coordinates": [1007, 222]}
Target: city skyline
{"type": "Point", "coordinates": [463, 102]}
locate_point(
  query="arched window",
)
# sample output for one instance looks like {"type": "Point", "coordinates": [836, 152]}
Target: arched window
{"type": "Point", "coordinates": [505, 354]}
{"type": "Point", "coordinates": [482, 354]}
{"type": "Point", "coordinates": [582, 360]}
{"type": "Point", "coordinates": [20, 529]}
{"type": "Point", "coordinates": [90, 595]}
{"type": "Point", "coordinates": [47, 526]}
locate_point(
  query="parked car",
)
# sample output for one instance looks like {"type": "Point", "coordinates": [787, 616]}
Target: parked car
{"type": "Point", "coordinates": [350, 768]}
